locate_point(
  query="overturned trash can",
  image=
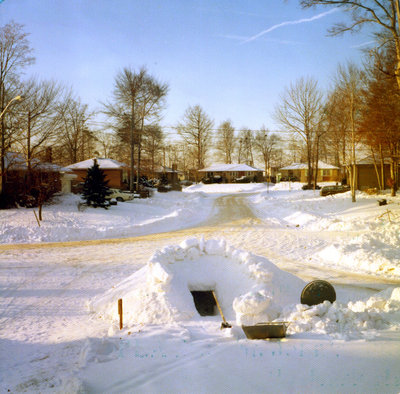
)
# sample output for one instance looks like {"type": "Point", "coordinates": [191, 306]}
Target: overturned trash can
{"type": "Point", "coordinates": [316, 292]}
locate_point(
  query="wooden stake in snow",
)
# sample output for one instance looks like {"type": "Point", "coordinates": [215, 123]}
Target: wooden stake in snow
{"type": "Point", "coordinates": [37, 219]}
{"type": "Point", "coordinates": [120, 313]}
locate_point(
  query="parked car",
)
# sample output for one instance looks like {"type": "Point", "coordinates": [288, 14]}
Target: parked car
{"type": "Point", "coordinates": [186, 182]}
{"type": "Point", "coordinates": [289, 179]}
{"type": "Point", "coordinates": [243, 179]}
{"type": "Point", "coordinates": [121, 195]}
{"type": "Point", "coordinates": [310, 187]}
{"type": "Point", "coordinates": [334, 189]}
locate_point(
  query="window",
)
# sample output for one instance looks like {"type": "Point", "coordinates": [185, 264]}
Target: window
{"type": "Point", "coordinates": [326, 172]}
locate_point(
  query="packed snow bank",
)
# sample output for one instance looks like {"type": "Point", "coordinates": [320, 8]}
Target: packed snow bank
{"type": "Point", "coordinates": [354, 321]}
{"type": "Point", "coordinates": [226, 188]}
{"type": "Point", "coordinates": [372, 244]}
{"type": "Point", "coordinates": [67, 220]}
{"type": "Point", "coordinates": [249, 288]}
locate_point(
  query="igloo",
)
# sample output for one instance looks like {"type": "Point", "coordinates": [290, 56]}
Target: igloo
{"type": "Point", "coordinates": [178, 279]}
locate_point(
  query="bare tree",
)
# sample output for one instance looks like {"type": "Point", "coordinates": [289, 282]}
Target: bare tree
{"type": "Point", "coordinates": [246, 144]}
{"type": "Point", "coordinates": [379, 126]}
{"type": "Point", "coordinates": [294, 147]}
{"type": "Point", "coordinates": [383, 13]}
{"type": "Point", "coordinates": [152, 145]}
{"type": "Point", "coordinates": [195, 129]}
{"type": "Point", "coordinates": [15, 56]}
{"type": "Point", "coordinates": [267, 145]}
{"type": "Point", "coordinates": [337, 121]}
{"type": "Point", "coordinates": [38, 121]}
{"type": "Point", "coordinates": [137, 100]}
{"type": "Point", "coordinates": [225, 141]}
{"type": "Point", "coordinates": [106, 140]}
{"type": "Point", "coordinates": [349, 82]}
{"type": "Point", "coordinates": [73, 133]}
{"type": "Point", "coordinates": [300, 112]}
{"type": "Point", "coordinates": [151, 105]}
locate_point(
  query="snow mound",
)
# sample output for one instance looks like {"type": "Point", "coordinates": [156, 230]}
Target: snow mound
{"type": "Point", "coordinates": [365, 253]}
{"type": "Point", "coordinates": [356, 320]}
{"type": "Point", "coordinates": [249, 288]}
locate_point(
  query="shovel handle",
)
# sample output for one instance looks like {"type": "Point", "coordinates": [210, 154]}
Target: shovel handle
{"type": "Point", "coordinates": [218, 306]}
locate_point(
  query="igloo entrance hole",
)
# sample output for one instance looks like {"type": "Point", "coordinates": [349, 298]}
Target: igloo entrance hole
{"type": "Point", "coordinates": [204, 302]}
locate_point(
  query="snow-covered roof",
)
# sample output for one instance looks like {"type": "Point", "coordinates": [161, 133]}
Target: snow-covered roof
{"type": "Point", "coordinates": [229, 168]}
{"type": "Point", "coordinates": [304, 166]}
{"type": "Point", "coordinates": [16, 161]}
{"type": "Point", "coordinates": [103, 164]}
{"type": "Point", "coordinates": [369, 160]}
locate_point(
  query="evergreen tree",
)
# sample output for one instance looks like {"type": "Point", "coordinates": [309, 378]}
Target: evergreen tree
{"type": "Point", "coordinates": [95, 188]}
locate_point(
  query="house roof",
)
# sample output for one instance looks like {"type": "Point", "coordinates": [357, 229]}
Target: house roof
{"type": "Point", "coordinates": [104, 164]}
{"type": "Point", "coordinates": [304, 166]}
{"type": "Point", "coordinates": [229, 168]}
{"type": "Point", "coordinates": [369, 160]}
{"type": "Point", "coordinates": [15, 161]}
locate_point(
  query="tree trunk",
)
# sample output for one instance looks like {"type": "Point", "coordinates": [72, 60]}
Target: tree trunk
{"type": "Point", "coordinates": [3, 145]}
{"type": "Point", "coordinates": [353, 149]}
{"type": "Point", "coordinates": [139, 154]}
{"type": "Point", "coordinates": [309, 163]}
{"type": "Point", "coordinates": [393, 176]}
{"type": "Point", "coordinates": [376, 169]}
{"type": "Point", "coordinates": [28, 154]}
{"type": "Point", "coordinates": [316, 163]}
{"type": "Point", "coordinates": [132, 148]}
{"type": "Point", "coordinates": [382, 167]}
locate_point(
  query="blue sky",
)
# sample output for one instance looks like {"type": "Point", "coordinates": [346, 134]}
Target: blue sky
{"type": "Point", "coordinates": [234, 58]}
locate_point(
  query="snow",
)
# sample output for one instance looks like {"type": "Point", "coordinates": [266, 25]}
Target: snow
{"type": "Point", "coordinates": [249, 289]}
{"type": "Point", "coordinates": [69, 220]}
{"type": "Point", "coordinates": [103, 164]}
{"type": "Point", "coordinates": [304, 166]}
{"type": "Point", "coordinates": [255, 245]}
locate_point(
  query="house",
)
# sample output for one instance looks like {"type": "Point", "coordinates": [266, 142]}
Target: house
{"type": "Point", "coordinates": [172, 175]}
{"type": "Point", "coordinates": [366, 173]}
{"type": "Point", "coordinates": [43, 177]}
{"type": "Point", "coordinates": [230, 172]}
{"type": "Point", "coordinates": [116, 172]}
{"type": "Point", "coordinates": [299, 172]}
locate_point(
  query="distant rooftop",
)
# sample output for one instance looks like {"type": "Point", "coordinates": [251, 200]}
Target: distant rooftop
{"type": "Point", "coordinates": [229, 168]}
{"type": "Point", "coordinates": [303, 166]}
{"type": "Point", "coordinates": [103, 164]}
{"type": "Point", "coordinates": [15, 161]}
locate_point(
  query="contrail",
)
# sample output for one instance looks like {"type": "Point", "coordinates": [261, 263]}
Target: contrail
{"type": "Point", "coordinates": [290, 23]}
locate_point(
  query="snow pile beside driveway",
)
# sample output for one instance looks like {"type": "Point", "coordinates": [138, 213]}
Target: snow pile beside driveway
{"type": "Point", "coordinates": [358, 319]}
{"type": "Point", "coordinates": [249, 288]}
{"type": "Point", "coordinates": [65, 220]}
{"type": "Point", "coordinates": [226, 188]}
{"type": "Point", "coordinates": [377, 252]}
{"type": "Point", "coordinates": [363, 238]}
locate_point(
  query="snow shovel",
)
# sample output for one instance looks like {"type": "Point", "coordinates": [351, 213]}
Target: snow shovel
{"type": "Point", "coordinates": [224, 324]}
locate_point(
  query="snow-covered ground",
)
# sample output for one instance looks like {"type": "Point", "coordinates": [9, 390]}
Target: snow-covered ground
{"type": "Point", "coordinates": [58, 307]}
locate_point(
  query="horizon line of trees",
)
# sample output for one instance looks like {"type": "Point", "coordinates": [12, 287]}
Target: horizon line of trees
{"type": "Point", "coordinates": [359, 112]}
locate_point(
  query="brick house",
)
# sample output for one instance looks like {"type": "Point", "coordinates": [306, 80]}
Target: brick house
{"type": "Point", "coordinates": [230, 172]}
{"type": "Point", "coordinates": [43, 177]}
{"type": "Point", "coordinates": [299, 171]}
